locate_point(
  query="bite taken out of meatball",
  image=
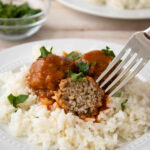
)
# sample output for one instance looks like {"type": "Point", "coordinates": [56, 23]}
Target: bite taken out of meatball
{"type": "Point", "coordinates": [46, 73]}
{"type": "Point", "coordinates": [81, 98]}
{"type": "Point", "coordinates": [98, 62]}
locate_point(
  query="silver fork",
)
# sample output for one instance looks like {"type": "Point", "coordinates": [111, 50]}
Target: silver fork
{"type": "Point", "coordinates": [135, 55]}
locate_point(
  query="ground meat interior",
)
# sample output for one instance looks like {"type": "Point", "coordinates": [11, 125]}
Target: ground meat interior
{"type": "Point", "coordinates": [81, 98]}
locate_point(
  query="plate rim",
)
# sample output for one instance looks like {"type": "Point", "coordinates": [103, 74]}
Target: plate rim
{"type": "Point", "coordinates": [58, 39]}
{"type": "Point", "coordinates": [91, 12]}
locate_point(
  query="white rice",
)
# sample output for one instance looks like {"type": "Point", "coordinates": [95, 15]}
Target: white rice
{"type": "Point", "coordinates": [123, 4]}
{"type": "Point", "coordinates": [67, 132]}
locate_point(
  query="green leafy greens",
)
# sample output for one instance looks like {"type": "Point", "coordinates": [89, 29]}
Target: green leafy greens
{"type": "Point", "coordinates": [118, 94]}
{"type": "Point", "coordinates": [76, 76]}
{"type": "Point", "coordinates": [15, 100]}
{"type": "Point", "coordinates": [120, 61]}
{"type": "Point", "coordinates": [108, 52]}
{"type": "Point", "coordinates": [45, 52]}
{"type": "Point", "coordinates": [94, 63]}
{"type": "Point", "coordinates": [84, 67]}
{"type": "Point", "coordinates": [74, 56]}
{"type": "Point", "coordinates": [10, 10]}
{"type": "Point", "coordinates": [123, 104]}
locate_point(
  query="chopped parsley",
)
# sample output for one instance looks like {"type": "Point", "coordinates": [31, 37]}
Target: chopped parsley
{"type": "Point", "coordinates": [84, 67]}
{"type": "Point", "coordinates": [15, 100]}
{"type": "Point", "coordinates": [118, 94]}
{"type": "Point", "coordinates": [108, 52]}
{"type": "Point", "coordinates": [76, 76]}
{"type": "Point", "coordinates": [120, 61]}
{"type": "Point", "coordinates": [94, 63]}
{"type": "Point", "coordinates": [10, 10]}
{"type": "Point", "coordinates": [123, 104]}
{"type": "Point", "coordinates": [45, 52]}
{"type": "Point", "coordinates": [74, 56]}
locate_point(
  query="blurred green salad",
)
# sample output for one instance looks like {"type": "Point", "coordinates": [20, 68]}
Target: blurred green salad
{"type": "Point", "coordinates": [21, 12]}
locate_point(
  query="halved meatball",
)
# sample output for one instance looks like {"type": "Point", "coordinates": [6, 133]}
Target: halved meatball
{"type": "Point", "coordinates": [46, 73]}
{"type": "Point", "coordinates": [98, 62]}
{"type": "Point", "coordinates": [81, 98]}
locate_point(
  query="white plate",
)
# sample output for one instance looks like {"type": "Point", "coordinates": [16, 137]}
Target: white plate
{"type": "Point", "coordinates": [104, 11]}
{"type": "Point", "coordinates": [14, 57]}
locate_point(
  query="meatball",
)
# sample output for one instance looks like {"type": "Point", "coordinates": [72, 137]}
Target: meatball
{"type": "Point", "coordinates": [81, 98]}
{"type": "Point", "coordinates": [98, 62]}
{"type": "Point", "coordinates": [46, 73]}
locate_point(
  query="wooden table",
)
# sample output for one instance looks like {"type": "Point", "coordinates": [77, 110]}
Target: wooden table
{"type": "Point", "coordinates": [63, 22]}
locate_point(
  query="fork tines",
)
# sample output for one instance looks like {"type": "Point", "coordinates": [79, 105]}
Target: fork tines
{"type": "Point", "coordinates": [123, 71]}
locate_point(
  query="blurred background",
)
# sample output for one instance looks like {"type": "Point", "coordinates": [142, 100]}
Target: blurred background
{"type": "Point", "coordinates": [64, 22]}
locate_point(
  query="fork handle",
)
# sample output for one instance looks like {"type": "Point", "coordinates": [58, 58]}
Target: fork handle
{"type": "Point", "coordinates": [147, 31]}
